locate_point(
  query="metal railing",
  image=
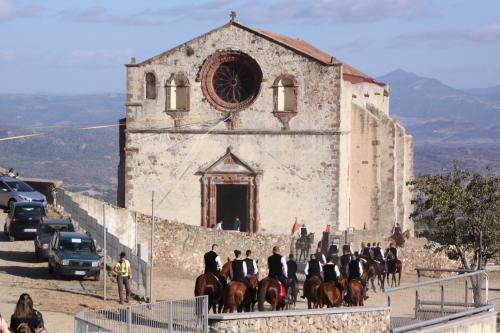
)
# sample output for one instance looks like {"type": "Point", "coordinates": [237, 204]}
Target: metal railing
{"type": "Point", "coordinates": [189, 315]}
{"type": "Point", "coordinates": [426, 303]}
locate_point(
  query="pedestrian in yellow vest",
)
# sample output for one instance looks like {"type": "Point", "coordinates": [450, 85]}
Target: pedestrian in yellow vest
{"type": "Point", "coordinates": [124, 274]}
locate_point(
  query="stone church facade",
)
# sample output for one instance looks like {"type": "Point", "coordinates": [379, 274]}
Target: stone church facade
{"type": "Point", "coordinates": [246, 123]}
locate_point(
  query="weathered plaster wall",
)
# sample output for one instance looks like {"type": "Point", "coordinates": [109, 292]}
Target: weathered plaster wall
{"type": "Point", "coordinates": [364, 181]}
{"type": "Point", "coordinates": [408, 169]}
{"type": "Point", "coordinates": [318, 85]}
{"type": "Point", "coordinates": [298, 179]}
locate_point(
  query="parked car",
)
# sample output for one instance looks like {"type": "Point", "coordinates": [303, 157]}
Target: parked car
{"type": "Point", "coordinates": [73, 254]}
{"type": "Point", "coordinates": [23, 219]}
{"type": "Point", "coordinates": [44, 234]}
{"type": "Point", "coordinates": [14, 190]}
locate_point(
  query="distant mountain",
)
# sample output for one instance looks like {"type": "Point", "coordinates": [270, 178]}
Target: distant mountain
{"type": "Point", "coordinates": [417, 99]}
{"type": "Point", "coordinates": [20, 110]}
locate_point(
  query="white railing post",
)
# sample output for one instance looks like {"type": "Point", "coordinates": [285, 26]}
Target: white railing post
{"type": "Point", "coordinates": [129, 319]}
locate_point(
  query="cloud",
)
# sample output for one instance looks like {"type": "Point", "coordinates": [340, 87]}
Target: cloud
{"type": "Point", "coordinates": [99, 14]}
{"type": "Point", "coordinates": [446, 37]}
{"type": "Point", "coordinates": [98, 58]}
{"type": "Point", "coordinates": [7, 56]}
{"type": "Point", "coordinates": [10, 11]}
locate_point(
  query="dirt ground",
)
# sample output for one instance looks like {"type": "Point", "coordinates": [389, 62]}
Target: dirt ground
{"type": "Point", "coordinates": [60, 300]}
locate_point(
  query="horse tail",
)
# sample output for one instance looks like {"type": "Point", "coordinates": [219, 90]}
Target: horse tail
{"type": "Point", "coordinates": [264, 284]}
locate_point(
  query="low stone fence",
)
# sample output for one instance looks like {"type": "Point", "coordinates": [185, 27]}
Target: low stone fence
{"type": "Point", "coordinates": [181, 246]}
{"type": "Point", "coordinates": [353, 319]}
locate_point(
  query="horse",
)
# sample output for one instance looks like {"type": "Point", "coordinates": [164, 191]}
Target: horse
{"type": "Point", "coordinates": [269, 291]}
{"type": "Point", "coordinates": [399, 240]}
{"type": "Point", "coordinates": [311, 286]}
{"type": "Point", "coordinates": [394, 266]}
{"type": "Point", "coordinates": [293, 292]}
{"type": "Point", "coordinates": [329, 295]}
{"type": "Point", "coordinates": [254, 281]}
{"type": "Point", "coordinates": [238, 296]}
{"type": "Point", "coordinates": [208, 284]}
{"type": "Point", "coordinates": [355, 291]}
{"type": "Point", "coordinates": [376, 269]}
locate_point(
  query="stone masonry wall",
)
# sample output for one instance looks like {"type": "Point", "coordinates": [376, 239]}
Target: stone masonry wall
{"type": "Point", "coordinates": [328, 320]}
{"type": "Point", "coordinates": [181, 247]}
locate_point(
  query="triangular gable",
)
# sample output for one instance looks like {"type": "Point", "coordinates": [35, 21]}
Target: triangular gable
{"type": "Point", "coordinates": [229, 163]}
{"type": "Point", "coordinates": [294, 44]}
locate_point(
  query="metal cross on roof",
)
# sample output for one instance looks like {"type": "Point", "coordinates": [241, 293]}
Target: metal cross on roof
{"type": "Point", "coordinates": [232, 15]}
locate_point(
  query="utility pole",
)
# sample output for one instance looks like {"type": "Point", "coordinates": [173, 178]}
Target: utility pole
{"type": "Point", "coordinates": [151, 265]}
{"type": "Point", "coordinates": [104, 252]}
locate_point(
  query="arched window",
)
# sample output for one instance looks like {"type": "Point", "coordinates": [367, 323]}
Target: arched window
{"type": "Point", "coordinates": [285, 94]}
{"type": "Point", "coordinates": [177, 94]}
{"type": "Point", "coordinates": [150, 86]}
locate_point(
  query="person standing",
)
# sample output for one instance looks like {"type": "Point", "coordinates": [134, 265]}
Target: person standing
{"type": "Point", "coordinates": [124, 274]}
{"type": "Point", "coordinates": [237, 224]}
{"type": "Point", "coordinates": [26, 317]}
{"type": "Point", "coordinates": [252, 268]}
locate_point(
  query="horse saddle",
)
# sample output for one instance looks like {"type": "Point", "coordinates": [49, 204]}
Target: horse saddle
{"type": "Point", "coordinates": [282, 289]}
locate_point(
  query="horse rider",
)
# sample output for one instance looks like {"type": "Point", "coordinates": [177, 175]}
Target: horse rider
{"type": "Point", "coordinates": [361, 248]}
{"type": "Point", "coordinates": [320, 256]}
{"type": "Point", "coordinates": [238, 272]}
{"type": "Point", "coordinates": [303, 231]}
{"type": "Point", "coordinates": [333, 250]}
{"type": "Point", "coordinates": [313, 268]}
{"type": "Point", "coordinates": [355, 270]}
{"type": "Point", "coordinates": [292, 268]}
{"type": "Point", "coordinates": [392, 249]}
{"type": "Point", "coordinates": [252, 268]}
{"type": "Point", "coordinates": [378, 253]}
{"type": "Point", "coordinates": [331, 272]}
{"type": "Point", "coordinates": [213, 265]}
{"type": "Point", "coordinates": [277, 268]}
{"type": "Point", "coordinates": [367, 252]}
{"type": "Point", "coordinates": [345, 259]}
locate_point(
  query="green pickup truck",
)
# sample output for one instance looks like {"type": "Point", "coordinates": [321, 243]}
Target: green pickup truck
{"type": "Point", "coordinates": [73, 254]}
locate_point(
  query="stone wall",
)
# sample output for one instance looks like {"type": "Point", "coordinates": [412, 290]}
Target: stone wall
{"type": "Point", "coordinates": [365, 320]}
{"type": "Point", "coordinates": [181, 247]}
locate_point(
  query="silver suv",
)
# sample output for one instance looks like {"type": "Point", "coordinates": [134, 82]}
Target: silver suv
{"type": "Point", "coordinates": [13, 190]}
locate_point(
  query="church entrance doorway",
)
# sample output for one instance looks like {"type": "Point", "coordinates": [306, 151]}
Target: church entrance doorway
{"type": "Point", "coordinates": [230, 189]}
{"type": "Point", "coordinates": [232, 203]}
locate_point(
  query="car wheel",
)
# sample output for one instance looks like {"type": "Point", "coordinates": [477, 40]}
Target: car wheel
{"type": "Point", "coordinates": [97, 276]}
{"type": "Point", "coordinates": [11, 204]}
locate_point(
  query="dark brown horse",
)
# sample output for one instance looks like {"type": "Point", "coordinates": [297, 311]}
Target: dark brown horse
{"type": "Point", "coordinates": [208, 284]}
{"type": "Point", "coordinates": [375, 269]}
{"type": "Point", "coordinates": [269, 291]}
{"type": "Point", "coordinates": [303, 245]}
{"type": "Point", "coordinates": [294, 291]}
{"type": "Point", "coordinates": [311, 286]}
{"type": "Point", "coordinates": [329, 295]}
{"type": "Point", "coordinates": [394, 266]}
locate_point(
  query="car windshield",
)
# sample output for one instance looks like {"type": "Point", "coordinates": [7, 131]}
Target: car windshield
{"type": "Point", "coordinates": [27, 211]}
{"type": "Point", "coordinates": [19, 186]}
{"type": "Point", "coordinates": [77, 245]}
{"type": "Point", "coordinates": [51, 228]}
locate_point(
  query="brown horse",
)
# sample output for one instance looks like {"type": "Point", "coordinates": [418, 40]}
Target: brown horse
{"type": "Point", "coordinates": [394, 266]}
{"type": "Point", "coordinates": [269, 291]}
{"type": "Point", "coordinates": [208, 284]}
{"type": "Point", "coordinates": [399, 241]}
{"type": "Point", "coordinates": [356, 290]}
{"type": "Point", "coordinates": [329, 295]}
{"type": "Point", "coordinates": [237, 296]}
{"type": "Point", "coordinates": [375, 269]}
{"type": "Point", "coordinates": [311, 286]}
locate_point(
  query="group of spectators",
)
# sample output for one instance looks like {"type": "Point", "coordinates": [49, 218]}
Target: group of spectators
{"type": "Point", "coordinates": [25, 318]}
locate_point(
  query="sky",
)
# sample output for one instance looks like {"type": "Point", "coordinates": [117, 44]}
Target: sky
{"type": "Point", "coordinates": [76, 47]}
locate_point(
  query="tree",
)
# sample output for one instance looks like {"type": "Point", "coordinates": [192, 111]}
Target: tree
{"type": "Point", "coordinates": [461, 212]}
